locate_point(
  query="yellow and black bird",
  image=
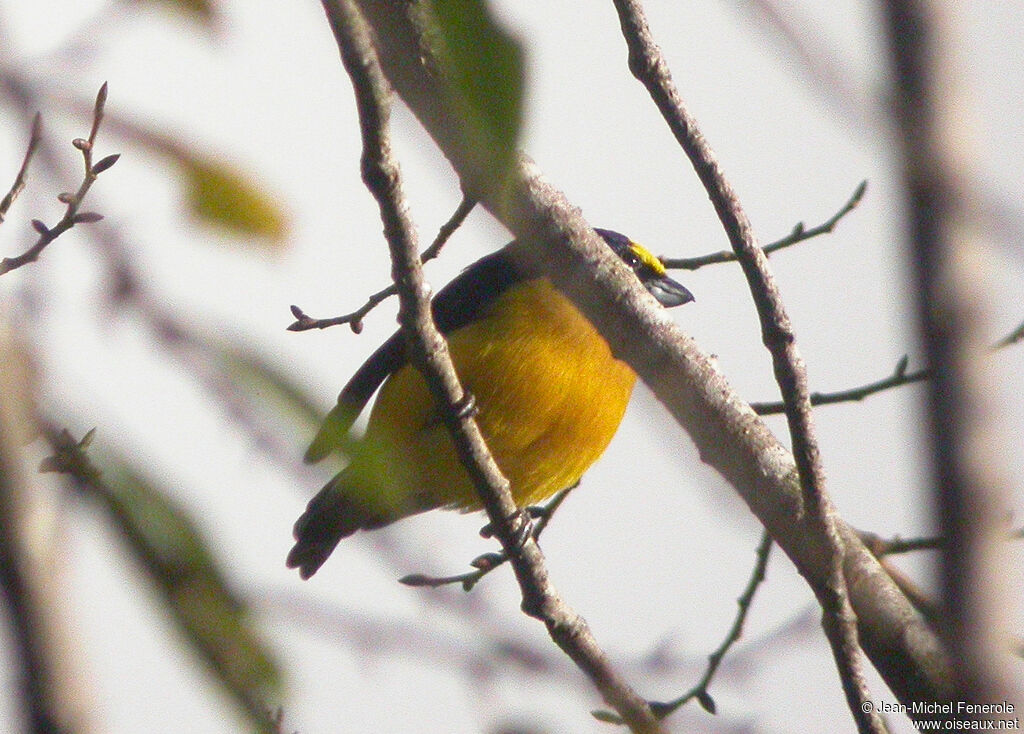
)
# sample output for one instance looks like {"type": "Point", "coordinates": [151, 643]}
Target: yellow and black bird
{"type": "Point", "coordinates": [549, 395]}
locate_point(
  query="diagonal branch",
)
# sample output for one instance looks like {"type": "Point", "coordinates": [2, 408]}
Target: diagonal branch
{"type": "Point", "coordinates": [19, 181]}
{"type": "Point", "coordinates": [700, 690]}
{"type": "Point", "coordinates": [73, 201]}
{"type": "Point", "coordinates": [839, 619]}
{"type": "Point", "coordinates": [727, 434]}
{"type": "Point", "coordinates": [429, 351]}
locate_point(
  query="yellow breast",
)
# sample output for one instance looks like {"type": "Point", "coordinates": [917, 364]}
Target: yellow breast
{"type": "Point", "coordinates": [549, 395]}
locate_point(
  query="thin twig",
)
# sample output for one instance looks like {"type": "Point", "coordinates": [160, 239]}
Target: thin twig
{"type": "Point", "coordinates": [898, 378]}
{"type": "Point", "coordinates": [487, 562]}
{"type": "Point", "coordinates": [839, 621]}
{"type": "Point", "coordinates": [202, 354]}
{"type": "Point", "coordinates": [72, 200]}
{"type": "Point", "coordinates": [891, 546]}
{"type": "Point", "coordinates": [355, 319]}
{"type": "Point", "coordinates": [882, 548]}
{"type": "Point", "coordinates": [19, 180]}
{"type": "Point", "coordinates": [700, 690]}
{"type": "Point", "coordinates": [429, 352]}
{"type": "Point", "coordinates": [1012, 338]}
{"type": "Point", "coordinates": [448, 228]}
{"type": "Point", "coordinates": [799, 234]}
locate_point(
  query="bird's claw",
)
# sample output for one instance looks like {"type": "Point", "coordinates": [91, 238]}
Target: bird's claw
{"type": "Point", "coordinates": [466, 407]}
{"type": "Point", "coordinates": [523, 521]}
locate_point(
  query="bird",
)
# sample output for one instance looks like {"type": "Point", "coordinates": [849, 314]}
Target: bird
{"type": "Point", "coordinates": [548, 396]}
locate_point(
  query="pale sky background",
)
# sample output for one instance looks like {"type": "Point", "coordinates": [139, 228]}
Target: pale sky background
{"type": "Point", "coordinates": [654, 548]}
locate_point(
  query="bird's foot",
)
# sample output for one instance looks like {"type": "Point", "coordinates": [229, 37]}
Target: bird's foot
{"type": "Point", "coordinates": [523, 522]}
{"type": "Point", "coordinates": [466, 407]}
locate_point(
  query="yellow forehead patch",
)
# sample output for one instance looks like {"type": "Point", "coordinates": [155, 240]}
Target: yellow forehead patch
{"type": "Point", "coordinates": [647, 258]}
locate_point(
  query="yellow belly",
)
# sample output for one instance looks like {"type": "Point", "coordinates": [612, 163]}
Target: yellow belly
{"type": "Point", "coordinates": [549, 396]}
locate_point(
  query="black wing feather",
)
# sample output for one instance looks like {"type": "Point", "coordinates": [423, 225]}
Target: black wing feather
{"type": "Point", "coordinates": [459, 303]}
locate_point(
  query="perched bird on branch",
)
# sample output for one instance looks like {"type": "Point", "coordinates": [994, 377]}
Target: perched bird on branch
{"type": "Point", "coordinates": [548, 397]}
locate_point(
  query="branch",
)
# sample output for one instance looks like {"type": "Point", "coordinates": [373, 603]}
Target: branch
{"type": "Point", "coordinates": [700, 690]}
{"type": "Point", "coordinates": [19, 180]}
{"type": "Point", "coordinates": [727, 433]}
{"type": "Point", "coordinates": [892, 546]}
{"type": "Point", "coordinates": [967, 470]}
{"type": "Point", "coordinates": [489, 561]}
{"type": "Point", "coordinates": [799, 234]}
{"type": "Point", "coordinates": [42, 661]}
{"type": "Point", "coordinates": [73, 200]}
{"type": "Point", "coordinates": [355, 319]}
{"type": "Point", "coordinates": [429, 352]}
{"type": "Point", "coordinates": [898, 378]}
{"type": "Point", "coordinates": [839, 619]}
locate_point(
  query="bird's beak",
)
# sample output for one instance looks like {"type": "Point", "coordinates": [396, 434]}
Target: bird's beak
{"type": "Point", "coordinates": [669, 292]}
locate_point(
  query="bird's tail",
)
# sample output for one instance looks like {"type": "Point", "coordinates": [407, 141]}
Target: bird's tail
{"type": "Point", "coordinates": [331, 515]}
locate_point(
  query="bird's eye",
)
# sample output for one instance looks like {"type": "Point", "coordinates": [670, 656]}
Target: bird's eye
{"type": "Point", "coordinates": [631, 259]}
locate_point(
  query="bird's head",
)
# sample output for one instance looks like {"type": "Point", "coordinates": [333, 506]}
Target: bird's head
{"type": "Point", "coordinates": [648, 269]}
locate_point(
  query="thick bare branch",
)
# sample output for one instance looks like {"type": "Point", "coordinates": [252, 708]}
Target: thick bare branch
{"type": "Point", "coordinates": [968, 474]}
{"type": "Point", "coordinates": [839, 619]}
{"type": "Point", "coordinates": [727, 433]}
{"type": "Point", "coordinates": [429, 351]}
{"type": "Point", "coordinates": [49, 688]}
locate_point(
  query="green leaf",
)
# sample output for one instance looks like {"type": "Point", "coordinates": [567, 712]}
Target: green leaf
{"type": "Point", "coordinates": [203, 12]}
{"type": "Point", "coordinates": [275, 389]}
{"type": "Point", "coordinates": [216, 191]}
{"type": "Point", "coordinates": [222, 195]}
{"type": "Point", "coordinates": [176, 559]}
{"type": "Point", "coordinates": [486, 80]}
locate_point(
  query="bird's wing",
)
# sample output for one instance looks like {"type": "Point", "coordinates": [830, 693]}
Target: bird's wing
{"type": "Point", "coordinates": [333, 433]}
{"type": "Point", "coordinates": [462, 301]}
